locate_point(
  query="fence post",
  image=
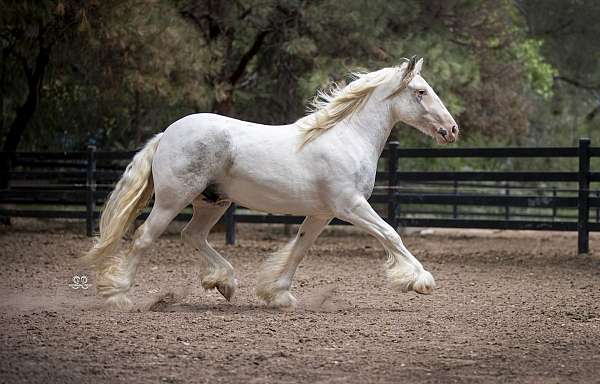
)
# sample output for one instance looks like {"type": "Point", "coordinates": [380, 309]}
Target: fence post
{"type": "Point", "coordinates": [554, 206]}
{"type": "Point", "coordinates": [455, 207]}
{"type": "Point", "coordinates": [5, 182]}
{"type": "Point", "coordinates": [507, 207]}
{"type": "Point", "coordinates": [90, 219]}
{"type": "Point", "coordinates": [392, 170]}
{"type": "Point", "coordinates": [597, 209]}
{"type": "Point", "coordinates": [230, 225]}
{"type": "Point", "coordinates": [583, 245]}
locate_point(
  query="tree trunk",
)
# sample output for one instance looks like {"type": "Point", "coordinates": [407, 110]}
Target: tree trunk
{"type": "Point", "coordinates": [25, 112]}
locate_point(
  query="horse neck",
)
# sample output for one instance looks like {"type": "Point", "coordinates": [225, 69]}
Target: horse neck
{"type": "Point", "coordinates": [373, 123]}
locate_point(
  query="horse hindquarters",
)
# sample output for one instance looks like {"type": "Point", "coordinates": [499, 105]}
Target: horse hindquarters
{"type": "Point", "coordinates": [177, 169]}
{"type": "Point", "coordinates": [131, 194]}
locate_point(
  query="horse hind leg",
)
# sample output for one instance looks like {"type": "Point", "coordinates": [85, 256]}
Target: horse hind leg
{"type": "Point", "coordinates": [220, 274]}
{"type": "Point", "coordinates": [117, 279]}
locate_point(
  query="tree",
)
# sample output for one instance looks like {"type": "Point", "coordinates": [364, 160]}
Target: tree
{"type": "Point", "coordinates": [115, 72]}
{"type": "Point", "coordinates": [569, 31]}
{"type": "Point", "coordinates": [29, 31]}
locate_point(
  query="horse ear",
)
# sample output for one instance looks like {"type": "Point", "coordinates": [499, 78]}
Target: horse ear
{"type": "Point", "coordinates": [411, 64]}
{"type": "Point", "coordinates": [409, 71]}
{"type": "Point", "coordinates": [418, 66]}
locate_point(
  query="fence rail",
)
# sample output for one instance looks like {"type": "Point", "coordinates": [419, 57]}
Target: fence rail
{"type": "Point", "coordinates": [74, 184]}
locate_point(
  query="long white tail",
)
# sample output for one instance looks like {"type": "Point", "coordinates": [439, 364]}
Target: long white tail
{"type": "Point", "coordinates": [131, 194]}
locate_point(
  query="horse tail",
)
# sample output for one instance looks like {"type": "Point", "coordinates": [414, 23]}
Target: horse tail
{"type": "Point", "coordinates": [131, 194]}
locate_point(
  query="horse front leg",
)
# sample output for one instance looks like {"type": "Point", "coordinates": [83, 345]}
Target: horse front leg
{"type": "Point", "coordinates": [403, 269]}
{"type": "Point", "coordinates": [275, 278]}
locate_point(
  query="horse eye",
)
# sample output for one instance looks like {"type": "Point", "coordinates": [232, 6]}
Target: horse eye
{"type": "Point", "coordinates": [420, 94]}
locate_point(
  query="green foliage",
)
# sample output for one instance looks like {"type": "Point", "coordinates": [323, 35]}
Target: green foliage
{"type": "Point", "coordinates": [512, 72]}
{"type": "Point", "coordinates": [540, 74]}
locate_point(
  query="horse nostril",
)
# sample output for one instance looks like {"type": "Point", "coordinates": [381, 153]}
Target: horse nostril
{"type": "Point", "coordinates": [443, 132]}
{"type": "Point", "coordinates": [454, 130]}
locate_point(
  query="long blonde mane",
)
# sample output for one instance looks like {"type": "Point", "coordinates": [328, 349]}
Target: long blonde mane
{"type": "Point", "coordinates": [331, 106]}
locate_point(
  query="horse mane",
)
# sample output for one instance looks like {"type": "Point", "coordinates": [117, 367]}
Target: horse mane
{"type": "Point", "coordinates": [334, 104]}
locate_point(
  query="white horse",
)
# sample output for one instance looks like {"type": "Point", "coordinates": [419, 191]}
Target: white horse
{"type": "Point", "coordinates": [322, 166]}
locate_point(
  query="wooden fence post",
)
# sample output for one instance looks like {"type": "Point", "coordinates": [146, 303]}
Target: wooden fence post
{"type": "Point", "coordinates": [230, 225]}
{"type": "Point", "coordinates": [583, 245]}
{"type": "Point", "coordinates": [392, 171]}
{"type": "Point", "coordinates": [90, 219]}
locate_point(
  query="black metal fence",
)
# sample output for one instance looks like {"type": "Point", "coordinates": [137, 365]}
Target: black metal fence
{"type": "Point", "coordinates": [580, 199]}
{"type": "Point", "coordinates": [75, 184]}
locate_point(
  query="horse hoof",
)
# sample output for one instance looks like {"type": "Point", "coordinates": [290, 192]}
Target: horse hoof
{"type": "Point", "coordinates": [419, 281]}
{"type": "Point", "coordinates": [424, 283]}
{"type": "Point", "coordinates": [119, 301]}
{"type": "Point", "coordinates": [226, 289]}
{"type": "Point", "coordinates": [283, 299]}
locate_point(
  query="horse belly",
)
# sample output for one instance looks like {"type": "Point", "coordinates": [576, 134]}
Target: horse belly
{"type": "Point", "coordinates": [283, 199]}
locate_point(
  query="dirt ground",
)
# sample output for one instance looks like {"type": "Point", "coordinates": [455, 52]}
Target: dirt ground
{"type": "Point", "coordinates": [510, 307]}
